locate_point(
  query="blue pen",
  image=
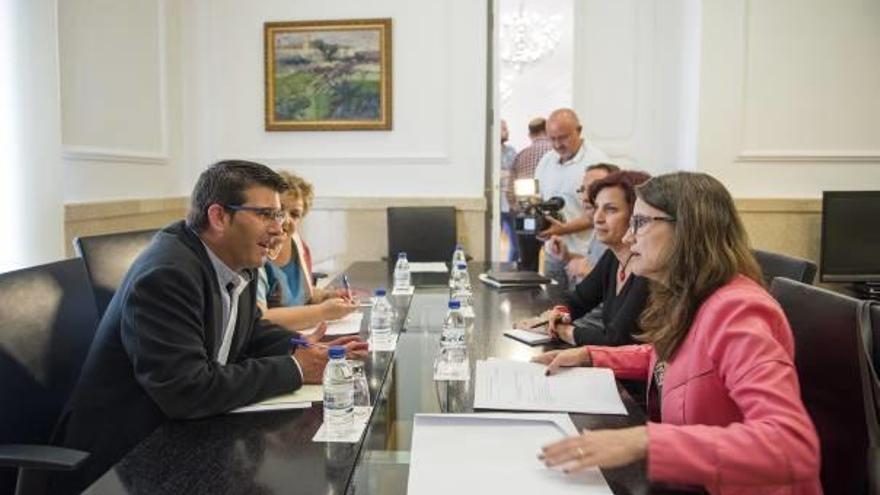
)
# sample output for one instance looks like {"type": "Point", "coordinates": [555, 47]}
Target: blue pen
{"type": "Point", "coordinates": [305, 343]}
{"type": "Point", "coordinates": [347, 286]}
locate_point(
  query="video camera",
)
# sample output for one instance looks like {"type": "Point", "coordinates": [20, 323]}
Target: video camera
{"type": "Point", "coordinates": [531, 211]}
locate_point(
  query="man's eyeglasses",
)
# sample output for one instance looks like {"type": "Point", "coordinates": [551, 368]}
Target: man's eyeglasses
{"type": "Point", "coordinates": [267, 214]}
{"type": "Point", "coordinates": [637, 221]}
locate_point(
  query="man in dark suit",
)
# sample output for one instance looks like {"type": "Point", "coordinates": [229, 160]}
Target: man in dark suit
{"type": "Point", "coordinates": [182, 337]}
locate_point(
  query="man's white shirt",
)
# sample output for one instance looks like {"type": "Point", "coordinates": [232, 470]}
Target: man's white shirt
{"type": "Point", "coordinates": [563, 180]}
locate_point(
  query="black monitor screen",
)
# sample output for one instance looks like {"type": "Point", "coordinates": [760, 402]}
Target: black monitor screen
{"type": "Point", "coordinates": [850, 236]}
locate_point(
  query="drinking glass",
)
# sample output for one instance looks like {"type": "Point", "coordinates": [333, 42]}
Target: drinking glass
{"type": "Point", "coordinates": [361, 389]}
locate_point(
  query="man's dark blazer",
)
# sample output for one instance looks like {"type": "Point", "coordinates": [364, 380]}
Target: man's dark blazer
{"type": "Point", "coordinates": [154, 354]}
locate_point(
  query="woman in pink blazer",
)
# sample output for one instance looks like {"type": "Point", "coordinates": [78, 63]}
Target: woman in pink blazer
{"type": "Point", "coordinates": [724, 405]}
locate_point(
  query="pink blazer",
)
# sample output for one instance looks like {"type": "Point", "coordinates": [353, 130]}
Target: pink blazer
{"type": "Point", "coordinates": [732, 416]}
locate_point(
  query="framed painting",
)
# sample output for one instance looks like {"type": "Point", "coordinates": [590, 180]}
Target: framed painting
{"type": "Point", "coordinates": [328, 75]}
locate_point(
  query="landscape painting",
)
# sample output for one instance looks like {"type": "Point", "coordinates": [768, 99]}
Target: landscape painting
{"type": "Point", "coordinates": [328, 75]}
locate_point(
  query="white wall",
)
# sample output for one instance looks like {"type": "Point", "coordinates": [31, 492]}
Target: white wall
{"type": "Point", "coordinates": [790, 96]}
{"type": "Point", "coordinates": [545, 85]}
{"type": "Point", "coordinates": [31, 214]}
{"type": "Point", "coordinates": [120, 99]}
{"type": "Point", "coordinates": [635, 80]}
{"type": "Point", "coordinates": [439, 64]}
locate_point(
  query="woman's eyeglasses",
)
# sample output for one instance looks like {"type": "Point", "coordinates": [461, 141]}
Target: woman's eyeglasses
{"type": "Point", "coordinates": [637, 221]}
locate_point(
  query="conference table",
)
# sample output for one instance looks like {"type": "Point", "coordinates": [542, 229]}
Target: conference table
{"type": "Point", "coordinates": [273, 453]}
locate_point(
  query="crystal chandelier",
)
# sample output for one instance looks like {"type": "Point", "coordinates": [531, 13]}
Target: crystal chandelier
{"type": "Point", "coordinates": [526, 37]}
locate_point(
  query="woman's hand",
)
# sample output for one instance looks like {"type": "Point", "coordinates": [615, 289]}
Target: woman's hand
{"type": "Point", "coordinates": [557, 248]}
{"type": "Point", "coordinates": [563, 332]}
{"type": "Point", "coordinates": [601, 448]}
{"type": "Point", "coordinates": [533, 324]}
{"type": "Point", "coordinates": [566, 358]}
{"type": "Point", "coordinates": [336, 308]}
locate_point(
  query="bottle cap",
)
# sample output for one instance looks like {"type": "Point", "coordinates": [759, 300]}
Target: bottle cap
{"type": "Point", "coordinates": [401, 254]}
{"type": "Point", "coordinates": [454, 304]}
{"type": "Point", "coordinates": [336, 352]}
{"type": "Point", "coordinates": [379, 292]}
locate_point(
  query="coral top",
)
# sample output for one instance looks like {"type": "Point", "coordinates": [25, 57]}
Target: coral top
{"type": "Point", "coordinates": [732, 416]}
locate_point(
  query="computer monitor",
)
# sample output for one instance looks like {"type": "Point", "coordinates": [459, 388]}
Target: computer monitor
{"type": "Point", "coordinates": [850, 236]}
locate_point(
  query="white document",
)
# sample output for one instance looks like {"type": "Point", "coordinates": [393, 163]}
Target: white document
{"type": "Point", "coordinates": [528, 337]}
{"type": "Point", "coordinates": [523, 386]}
{"type": "Point", "coordinates": [301, 399]}
{"type": "Point", "coordinates": [348, 325]}
{"type": "Point", "coordinates": [361, 418]}
{"type": "Point", "coordinates": [493, 453]}
{"type": "Point", "coordinates": [428, 267]}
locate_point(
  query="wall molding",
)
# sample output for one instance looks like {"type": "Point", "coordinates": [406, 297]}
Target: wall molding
{"type": "Point", "coordinates": [857, 156]}
{"type": "Point", "coordinates": [782, 155]}
{"type": "Point", "coordinates": [86, 153]}
{"type": "Point", "coordinates": [112, 155]}
{"type": "Point", "coordinates": [365, 159]}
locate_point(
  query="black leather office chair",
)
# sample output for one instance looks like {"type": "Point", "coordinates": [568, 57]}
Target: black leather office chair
{"type": "Point", "coordinates": [827, 355]}
{"type": "Point", "coordinates": [424, 233]}
{"type": "Point", "coordinates": [780, 265]}
{"type": "Point", "coordinates": [47, 323]}
{"type": "Point", "coordinates": [107, 258]}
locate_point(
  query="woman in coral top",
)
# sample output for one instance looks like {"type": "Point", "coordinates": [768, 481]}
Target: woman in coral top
{"type": "Point", "coordinates": [725, 411]}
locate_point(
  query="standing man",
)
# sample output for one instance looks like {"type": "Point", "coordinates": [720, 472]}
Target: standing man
{"type": "Point", "coordinates": [507, 220]}
{"type": "Point", "coordinates": [524, 168]}
{"type": "Point", "coordinates": [559, 173]}
{"type": "Point", "coordinates": [182, 337]}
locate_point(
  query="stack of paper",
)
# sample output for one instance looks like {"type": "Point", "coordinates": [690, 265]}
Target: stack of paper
{"type": "Point", "coordinates": [521, 386]}
{"type": "Point", "coordinates": [492, 453]}
{"type": "Point", "coordinates": [301, 399]}
{"type": "Point", "coordinates": [428, 267]}
{"type": "Point", "coordinates": [349, 325]}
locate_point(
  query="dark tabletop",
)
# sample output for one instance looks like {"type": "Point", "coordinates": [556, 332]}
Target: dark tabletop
{"type": "Point", "coordinates": [272, 452]}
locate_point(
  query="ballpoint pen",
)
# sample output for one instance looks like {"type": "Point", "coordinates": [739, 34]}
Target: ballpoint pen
{"type": "Point", "coordinates": [306, 343]}
{"type": "Point", "coordinates": [347, 286]}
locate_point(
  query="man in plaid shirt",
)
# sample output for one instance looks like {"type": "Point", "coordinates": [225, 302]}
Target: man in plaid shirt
{"type": "Point", "coordinates": [524, 168]}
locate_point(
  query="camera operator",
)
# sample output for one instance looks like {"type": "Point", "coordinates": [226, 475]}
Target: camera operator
{"type": "Point", "coordinates": [560, 173]}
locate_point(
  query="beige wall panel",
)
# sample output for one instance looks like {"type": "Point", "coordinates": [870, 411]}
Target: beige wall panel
{"type": "Point", "coordinates": [787, 226]}
{"type": "Point", "coordinates": [339, 230]}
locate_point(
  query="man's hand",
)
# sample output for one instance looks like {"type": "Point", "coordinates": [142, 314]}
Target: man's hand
{"type": "Point", "coordinates": [556, 228]}
{"type": "Point", "coordinates": [312, 361]}
{"type": "Point", "coordinates": [355, 347]}
{"type": "Point", "coordinates": [313, 358]}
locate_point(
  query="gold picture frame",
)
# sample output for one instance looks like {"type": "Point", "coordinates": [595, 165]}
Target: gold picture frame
{"type": "Point", "coordinates": [328, 75]}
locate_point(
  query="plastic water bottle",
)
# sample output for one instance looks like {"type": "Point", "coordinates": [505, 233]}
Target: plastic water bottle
{"type": "Point", "coordinates": [458, 256]}
{"type": "Point", "coordinates": [401, 272]}
{"type": "Point", "coordinates": [338, 394]}
{"type": "Point", "coordinates": [460, 286]}
{"type": "Point", "coordinates": [452, 360]}
{"type": "Point", "coordinates": [380, 321]}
